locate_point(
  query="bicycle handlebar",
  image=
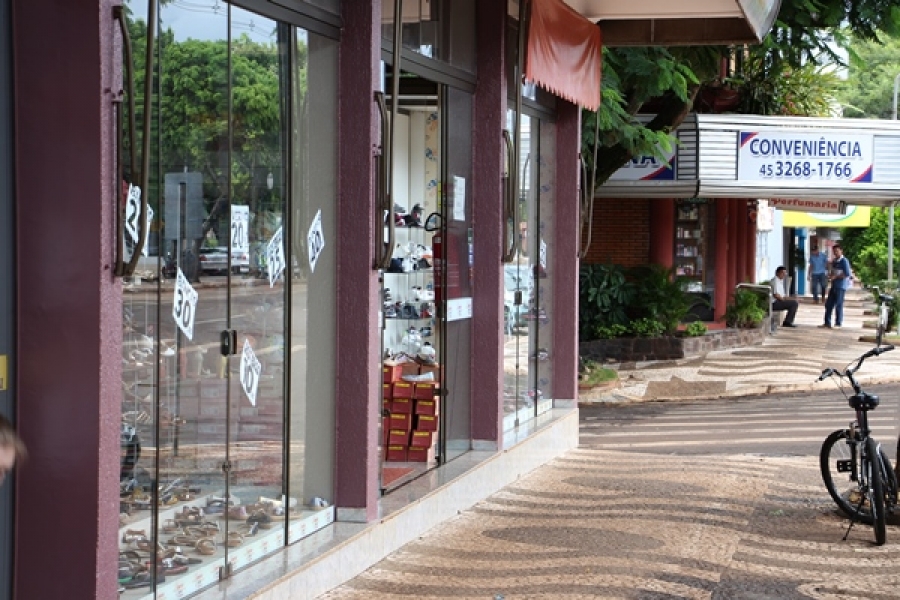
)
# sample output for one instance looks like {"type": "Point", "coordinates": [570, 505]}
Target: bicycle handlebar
{"type": "Point", "coordinates": [849, 371]}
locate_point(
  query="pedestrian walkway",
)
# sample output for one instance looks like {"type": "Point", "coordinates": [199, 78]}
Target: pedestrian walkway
{"type": "Point", "coordinates": [788, 361]}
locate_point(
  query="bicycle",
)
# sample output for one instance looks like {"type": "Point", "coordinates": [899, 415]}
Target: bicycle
{"type": "Point", "coordinates": [855, 469]}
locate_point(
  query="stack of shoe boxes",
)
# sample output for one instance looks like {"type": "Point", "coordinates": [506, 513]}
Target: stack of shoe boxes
{"type": "Point", "coordinates": [410, 418]}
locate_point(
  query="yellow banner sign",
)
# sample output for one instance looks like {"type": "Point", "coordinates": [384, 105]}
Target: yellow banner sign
{"type": "Point", "coordinates": [857, 216]}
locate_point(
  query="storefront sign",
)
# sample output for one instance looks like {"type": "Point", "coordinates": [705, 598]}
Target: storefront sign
{"type": "Point", "coordinates": [818, 205]}
{"type": "Point", "coordinates": [184, 308]}
{"type": "Point", "coordinates": [315, 241]}
{"type": "Point", "coordinates": [240, 229]}
{"type": "Point", "coordinates": [857, 216]}
{"type": "Point", "coordinates": [250, 370]}
{"type": "Point", "coordinates": [793, 157]}
{"type": "Point", "coordinates": [647, 168]}
{"type": "Point", "coordinates": [275, 262]}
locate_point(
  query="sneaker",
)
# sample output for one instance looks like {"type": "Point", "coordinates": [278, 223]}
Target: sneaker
{"type": "Point", "coordinates": [788, 325]}
{"type": "Point", "coordinates": [837, 326]}
{"type": "Point", "coordinates": [825, 325]}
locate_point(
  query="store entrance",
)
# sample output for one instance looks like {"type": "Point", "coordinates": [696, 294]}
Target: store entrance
{"type": "Point", "coordinates": [426, 287]}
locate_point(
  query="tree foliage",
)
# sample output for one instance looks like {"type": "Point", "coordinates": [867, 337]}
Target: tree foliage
{"type": "Point", "coordinates": [866, 247]}
{"type": "Point", "coordinates": [868, 91]}
{"type": "Point", "coordinates": [782, 75]}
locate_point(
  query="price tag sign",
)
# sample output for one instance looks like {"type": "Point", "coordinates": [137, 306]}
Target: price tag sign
{"type": "Point", "coordinates": [133, 212]}
{"type": "Point", "coordinates": [315, 241]}
{"type": "Point", "coordinates": [184, 308]}
{"type": "Point", "coordinates": [240, 229]}
{"type": "Point", "coordinates": [146, 250]}
{"type": "Point", "coordinates": [542, 254]}
{"type": "Point", "coordinates": [275, 261]}
{"type": "Point", "coordinates": [250, 370]}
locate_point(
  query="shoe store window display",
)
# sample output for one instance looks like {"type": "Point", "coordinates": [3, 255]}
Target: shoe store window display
{"type": "Point", "coordinates": [780, 299]}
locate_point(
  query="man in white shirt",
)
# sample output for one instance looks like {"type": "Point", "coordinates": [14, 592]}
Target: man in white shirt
{"type": "Point", "coordinates": [780, 300]}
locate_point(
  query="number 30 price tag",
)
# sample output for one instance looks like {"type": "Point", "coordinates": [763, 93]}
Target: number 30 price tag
{"type": "Point", "coordinates": [250, 369]}
{"type": "Point", "coordinates": [185, 305]}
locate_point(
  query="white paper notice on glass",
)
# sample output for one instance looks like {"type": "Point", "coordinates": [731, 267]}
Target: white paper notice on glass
{"type": "Point", "coordinates": [132, 212]}
{"type": "Point", "coordinates": [275, 262]}
{"type": "Point", "coordinates": [250, 370]}
{"type": "Point", "coordinates": [184, 307]}
{"type": "Point", "coordinates": [146, 250]}
{"type": "Point", "coordinates": [542, 254]}
{"type": "Point", "coordinates": [315, 240]}
{"type": "Point", "coordinates": [459, 198]}
{"type": "Point", "coordinates": [240, 229]}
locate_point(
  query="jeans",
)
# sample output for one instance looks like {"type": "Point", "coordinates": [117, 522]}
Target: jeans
{"type": "Point", "coordinates": [835, 302]}
{"type": "Point", "coordinates": [819, 282]}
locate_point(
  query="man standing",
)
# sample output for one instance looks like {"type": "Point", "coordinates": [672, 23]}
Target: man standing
{"type": "Point", "coordinates": [780, 301]}
{"type": "Point", "coordinates": [818, 273]}
{"type": "Point", "coordinates": [840, 278]}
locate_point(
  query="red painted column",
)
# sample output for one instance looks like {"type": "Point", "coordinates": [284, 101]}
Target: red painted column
{"type": "Point", "coordinates": [490, 115]}
{"type": "Point", "coordinates": [662, 232]}
{"type": "Point", "coordinates": [565, 264]}
{"type": "Point", "coordinates": [733, 244]}
{"type": "Point", "coordinates": [723, 293]}
{"type": "Point", "coordinates": [740, 242]}
{"type": "Point", "coordinates": [358, 340]}
{"type": "Point", "coordinates": [69, 305]}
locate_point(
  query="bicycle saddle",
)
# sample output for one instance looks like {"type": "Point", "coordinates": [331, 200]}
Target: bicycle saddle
{"type": "Point", "coordinates": [863, 401]}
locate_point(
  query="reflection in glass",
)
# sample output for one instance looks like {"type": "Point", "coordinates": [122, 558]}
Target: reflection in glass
{"type": "Point", "coordinates": [203, 477]}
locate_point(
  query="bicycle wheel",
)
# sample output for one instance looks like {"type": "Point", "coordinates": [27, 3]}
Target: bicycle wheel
{"type": "Point", "coordinates": [889, 477]}
{"type": "Point", "coordinates": [872, 467]}
{"type": "Point", "coordinates": [839, 461]}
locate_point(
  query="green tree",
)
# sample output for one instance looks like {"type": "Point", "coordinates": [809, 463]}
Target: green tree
{"type": "Point", "coordinates": [807, 35]}
{"type": "Point", "coordinates": [866, 247]}
{"type": "Point", "coordinates": [867, 92]}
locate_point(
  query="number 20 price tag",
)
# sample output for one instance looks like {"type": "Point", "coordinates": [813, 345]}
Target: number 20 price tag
{"type": "Point", "coordinates": [184, 307]}
{"type": "Point", "coordinates": [250, 370]}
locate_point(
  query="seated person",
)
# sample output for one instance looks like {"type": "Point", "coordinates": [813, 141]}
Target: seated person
{"type": "Point", "coordinates": [780, 301]}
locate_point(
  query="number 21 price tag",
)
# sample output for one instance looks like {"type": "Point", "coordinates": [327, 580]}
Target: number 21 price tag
{"type": "Point", "coordinates": [185, 305]}
{"type": "Point", "coordinates": [250, 369]}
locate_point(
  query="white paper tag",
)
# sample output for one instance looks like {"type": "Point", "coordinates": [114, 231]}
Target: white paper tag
{"type": "Point", "coordinates": [275, 262]}
{"type": "Point", "coordinates": [315, 241]}
{"type": "Point", "coordinates": [240, 229]}
{"type": "Point", "coordinates": [132, 212]}
{"type": "Point", "coordinates": [184, 307]}
{"type": "Point", "coordinates": [146, 250]}
{"type": "Point", "coordinates": [542, 255]}
{"type": "Point", "coordinates": [250, 370]}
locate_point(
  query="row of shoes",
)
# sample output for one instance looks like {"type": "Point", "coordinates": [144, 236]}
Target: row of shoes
{"type": "Point", "coordinates": [408, 310]}
{"type": "Point", "coordinates": [417, 292]}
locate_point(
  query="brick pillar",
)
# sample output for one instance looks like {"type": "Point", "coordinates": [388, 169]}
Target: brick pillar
{"type": "Point", "coordinates": [662, 232]}
{"type": "Point", "coordinates": [723, 292]}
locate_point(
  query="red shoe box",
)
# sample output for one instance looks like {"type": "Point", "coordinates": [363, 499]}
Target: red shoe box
{"type": "Point", "coordinates": [398, 437]}
{"type": "Point", "coordinates": [426, 407]}
{"type": "Point", "coordinates": [401, 421]}
{"type": "Point", "coordinates": [402, 389]}
{"type": "Point", "coordinates": [396, 453]}
{"type": "Point", "coordinates": [420, 454]}
{"type": "Point", "coordinates": [387, 390]}
{"type": "Point", "coordinates": [391, 371]}
{"type": "Point", "coordinates": [410, 368]}
{"type": "Point", "coordinates": [426, 423]}
{"type": "Point", "coordinates": [425, 391]}
{"type": "Point", "coordinates": [421, 439]}
{"type": "Point", "coordinates": [401, 406]}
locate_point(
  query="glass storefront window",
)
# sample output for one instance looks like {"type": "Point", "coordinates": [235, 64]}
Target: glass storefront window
{"type": "Point", "coordinates": [223, 459]}
{"type": "Point", "coordinates": [438, 30]}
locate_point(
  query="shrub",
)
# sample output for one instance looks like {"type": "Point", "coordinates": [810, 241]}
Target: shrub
{"type": "Point", "coordinates": [608, 333]}
{"type": "Point", "coordinates": [647, 327]}
{"type": "Point", "coordinates": [747, 309]}
{"type": "Point", "coordinates": [660, 296]}
{"type": "Point", "coordinates": [604, 294]}
{"type": "Point", "coordinates": [695, 329]}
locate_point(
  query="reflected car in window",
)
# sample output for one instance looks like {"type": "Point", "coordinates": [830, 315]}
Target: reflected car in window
{"type": "Point", "coordinates": [215, 261]}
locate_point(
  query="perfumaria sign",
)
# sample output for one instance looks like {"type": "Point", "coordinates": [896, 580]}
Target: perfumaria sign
{"type": "Point", "coordinates": [794, 157]}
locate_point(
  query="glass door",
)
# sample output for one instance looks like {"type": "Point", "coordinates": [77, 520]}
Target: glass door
{"type": "Point", "coordinates": [240, 251]}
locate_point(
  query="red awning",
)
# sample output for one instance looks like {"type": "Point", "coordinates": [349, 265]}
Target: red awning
{"type": "Point", "coordinates": [564, 53]}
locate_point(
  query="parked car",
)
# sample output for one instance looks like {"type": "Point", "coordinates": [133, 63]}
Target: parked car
{"type": "Point", "coordinates": [215, 260]}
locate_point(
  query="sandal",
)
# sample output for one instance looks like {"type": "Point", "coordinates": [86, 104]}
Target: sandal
{"type": "Point", "coordinates": [248, 529]}
{"type": "Point", "coordinates": [175, 555]}
{"type": "Point", "coordinates": [234, 539]}
{"type": "Point", "coordinates": [206, 546]}
{"type": "Point", "coordinates": [170, 526]}
{"type": "Point", "coordinates": [261, 518]}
